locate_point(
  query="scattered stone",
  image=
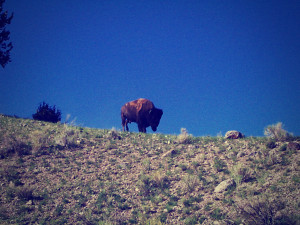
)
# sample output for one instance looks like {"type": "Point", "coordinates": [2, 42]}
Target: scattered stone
{"type": "Point", "coordinates": [231, 155]}
{"type": "Point", "coordinates": [233, 134]}
{"type": "Point", "coordinates": [114, 135]}
{"type": "Point", "coordinates": [169, 153]}
{"type": "Point", "coordinates": [29, 202]}
{"type": "Point", "coordinates": [293, 146]}
{"type": "Point", "coordinates": [11, 184]}
{"type": "Point", "coordinates": [240, 154]}
{"type": "Point", "coordinates": [219, 223]}
{"type": "Point", "coordinates": [229, 148]}
{"type": "Point", "coordinates": [224, 185]}
{"type": "Point", "coordinates": [217, 198]}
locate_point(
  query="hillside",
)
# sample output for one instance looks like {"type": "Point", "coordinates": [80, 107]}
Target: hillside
{"type": "Point", "coordinates": [61, 174]}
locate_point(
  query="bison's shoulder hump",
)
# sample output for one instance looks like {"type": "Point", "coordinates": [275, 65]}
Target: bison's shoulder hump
{"type": "Point", "coordinates": [144, 105]}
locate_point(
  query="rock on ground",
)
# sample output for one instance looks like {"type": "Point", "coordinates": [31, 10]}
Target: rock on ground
{"type": "Point", "coordinates": [224, 185]}
{"type": "Point", "coordinates": [233, 134]}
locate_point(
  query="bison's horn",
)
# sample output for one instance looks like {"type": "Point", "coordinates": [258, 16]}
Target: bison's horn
{"type": "Point", "coordinates": [150, 111]}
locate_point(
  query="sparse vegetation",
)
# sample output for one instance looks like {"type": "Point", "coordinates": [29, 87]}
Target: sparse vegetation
{"type": "Point", "coordinates": [264, 210]}
{"type": "Point", "coordinates": [61, 174]}
{"type": "Point", "coordinates": [241, 173]}
{"type": "Point", "coordinates": [219, 164]}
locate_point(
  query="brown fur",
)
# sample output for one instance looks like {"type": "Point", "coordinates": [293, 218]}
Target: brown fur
{"type": "Point", "coordinates": [142, 112]}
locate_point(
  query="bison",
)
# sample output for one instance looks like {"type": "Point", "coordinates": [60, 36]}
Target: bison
{"type": "Point", "coordinates": [143, 112]}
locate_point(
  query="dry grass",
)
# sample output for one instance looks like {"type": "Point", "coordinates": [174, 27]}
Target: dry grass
{"type": "Point", "coordinates": [184, 137]}
{"type": "Point", "coordinates": [277, 132]}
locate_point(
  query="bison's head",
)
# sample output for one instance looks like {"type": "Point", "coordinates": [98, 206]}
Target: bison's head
{"type": "Point", "coordinates": [155, 116]}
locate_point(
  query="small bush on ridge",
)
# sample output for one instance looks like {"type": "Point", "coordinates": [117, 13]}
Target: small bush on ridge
{"type": "Point", "coordinates": [184, 137]}
{"type": "Point", "coordinates": [47, 113]}
{"type": "Point", "coordinates": [277, 132]}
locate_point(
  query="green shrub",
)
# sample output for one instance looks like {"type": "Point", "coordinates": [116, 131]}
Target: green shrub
{"type": "Point", "coordinates": [259, 210]}
{"type": "Point", "coordinates": [217, 214]}
{"type": "Point", "coordinates": [191, 220]}
{"type": "Point", "coordinates": [4, 214]}
{"type": "Point", "coordinates": [47, 113]}
{"type": "Point", "coordinates": [283, 147]}
{"type": "Point", "coordinates": [11, 145]}
{"type": "Point", "coordinates": [240, 173]}
{"type": "Point", "coordinates": [58, 210]}
{"type": "Point", "coordinates": [24, 193]}
{"type": "Point", "coordinates": [146, 163]}
{"type": "Point", "coordinates": [287, 220]}
{"type": "Point", "coordinates": [102, 197]}
{"type": "Point", "coordinates": [11, 174]}
{"type": "Point", "coordinates": [219, 164]}
{"type": "Point", "coordinates": [155, 221]}
{"type": "Point", "coordinates": [189, 183]}
{"type": "Point", "coordinates": [145, 185]}
{"type": "Point", "coordinates": [207, 207]}
{"type": "Point", "coordinates": [271, 144]}
{"type": "Point", "coordinates": [160, 180]}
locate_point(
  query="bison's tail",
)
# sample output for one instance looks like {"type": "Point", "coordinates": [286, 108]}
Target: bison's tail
{"type": "Point", "coordinates": [124, 121]}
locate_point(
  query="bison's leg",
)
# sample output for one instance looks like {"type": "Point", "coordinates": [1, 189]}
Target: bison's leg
{"type": "Point", "coordinates": [124, 123]}
{"type": "Point", "coordinates": [127, 125]}
{"type": "Point", "coordinates": [142, 128]}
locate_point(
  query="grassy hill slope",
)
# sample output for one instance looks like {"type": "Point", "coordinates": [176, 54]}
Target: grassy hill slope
{"type": "Point", "coordinates": [60, 174]}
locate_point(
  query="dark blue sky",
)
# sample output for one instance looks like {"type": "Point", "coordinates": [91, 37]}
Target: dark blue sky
{"type": "Point", "coordinates": [212, 66]}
